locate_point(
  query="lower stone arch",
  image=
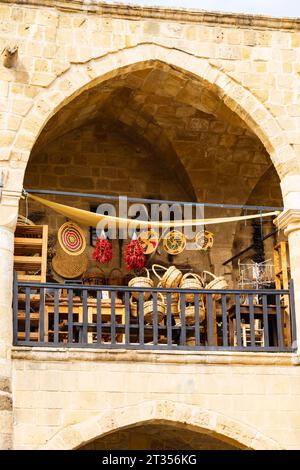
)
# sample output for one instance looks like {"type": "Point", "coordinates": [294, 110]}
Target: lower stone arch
{"type": "Point", "coordinates": [191, 416]}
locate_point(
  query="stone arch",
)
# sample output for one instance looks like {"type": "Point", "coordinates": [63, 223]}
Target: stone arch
{"type": "Point", "coordinates": [80, 77]}
{"type": "Point", "coordinates": [180, 414]}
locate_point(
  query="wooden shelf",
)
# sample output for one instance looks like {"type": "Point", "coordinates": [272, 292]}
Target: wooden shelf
{"type": "Point", "coordinates": [30, 263]}
{"type": "Point", "coordinates": [34, 317]}
{"type": "Point", "coordinates": [34, 336]}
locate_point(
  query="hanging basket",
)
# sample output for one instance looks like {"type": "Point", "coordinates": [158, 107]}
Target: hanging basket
{"type": "Point", "coordinates": [216, 283]}
{"type": "Point", "coordinates": [71, 239]}
{"type": "Point", "coordinates": [204, 240]}
{"type": "Point", "coordinates": [148, 240]}
{"type": "Point", "coordinates": [115, 277]}
{"type": "Point", "coordinates": [141, 281]}
{"type": "Point", "coordinates": [69, 267]}
{"type": "Point", "coordinates": [94, 276]}
{"type": "Point", "coordinates": [149, 309]}
{"type": "Point", "coordinates": [191, 281]}
{"type": "Point", "coordinates": [174, 242]}
{"type": "Point", "coordinates": [171, 277]}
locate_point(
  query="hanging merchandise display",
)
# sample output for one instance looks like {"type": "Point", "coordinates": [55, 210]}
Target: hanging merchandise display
{"type": "Point", "coordinates": [174, 242]}
{"type": "Point", "coordinates": [103, 251]}
{"type": "Point", "coordinates": [71, 239]}
{"type": "Point", "coordinates": [69, 267]}
{"type": "Point", "coordinates": [148, 240]}
{"type": "Point", "coordinates": [204, 240]}
{"type": "Point", "coordinates": [134, 255]}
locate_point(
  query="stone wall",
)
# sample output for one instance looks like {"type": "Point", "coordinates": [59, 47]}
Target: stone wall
{"type": "Point", "coordinates": [240, 70]}
{"type": "Point", "coordinates": [74, 397]}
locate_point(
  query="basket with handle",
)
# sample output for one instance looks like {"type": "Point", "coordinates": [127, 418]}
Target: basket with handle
{"type": "Point", "coordinates": [149, 309]}
{"type": "Point", "coordinates": [133, 307]}
{"type": "Point", "coordinates": [141, 281]}
{"type": "Point", "coordinates": [171, 277]}
{"type": "Point", "coordinates": [190, 313]}
{"type": "Point", "coordinates": [191, 281]}
{"type": "Point", "coordinates": [174, 295]}
{"type": "Point", "coordinates": [216, 283]}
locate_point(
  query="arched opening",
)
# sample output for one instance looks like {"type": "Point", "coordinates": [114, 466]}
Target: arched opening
{"type": "Point", "coordinates": [156, 132]}
{"type": "Point", "coordinates": [159, 129]}
{"type": "Point", "coordinates": [163, 421]}
{"type": "Point", "coordinates": [160, 436]}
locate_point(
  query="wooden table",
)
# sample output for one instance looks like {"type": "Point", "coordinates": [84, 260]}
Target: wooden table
{"type": "Point", "coordinates": [258, 314]}
{"type": "Point", "coordinates": [77, 316]}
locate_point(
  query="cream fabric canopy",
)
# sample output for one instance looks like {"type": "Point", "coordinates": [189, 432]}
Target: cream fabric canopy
{"type": "Point", "coordinates": [92, 219]}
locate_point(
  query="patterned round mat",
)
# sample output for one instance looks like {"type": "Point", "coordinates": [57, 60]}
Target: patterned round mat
{"type": "Point", "coordinates": [71, 239]}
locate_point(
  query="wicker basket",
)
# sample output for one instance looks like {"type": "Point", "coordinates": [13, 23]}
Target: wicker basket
{"type": "Point", "coordinates": [142, 282]}
{"type": "Point", "coordinates": [174, 295]}
{"type": "Point", "coordinates": [133, 307]}
{"type": "Point", "coordinates": [149, 308]}
{"type": "Point", "coordinates": [94, 276]}
{"type": "Point", "coordinates": [171, 277]}
{"type": "Point", "coordinates": [190, 314]}
{"type": "Point", "coordinates": [191, 281]}
{"type": "Point", "coordinates": [217, 283]}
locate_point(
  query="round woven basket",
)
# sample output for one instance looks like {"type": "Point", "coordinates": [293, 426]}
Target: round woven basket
{"type": "Point", "coordinates": [141, 281]}
{"type": "Point", "coordinates": [148, 240]}
{"type": "Point", "coordinates": [69, 267]}
{"type": "Point", "coordinates": [71, 239]}
{"type": "Point", "coordinates": [174, 242]}
{"type": "Point", "coordinates": [216, 283]}
{"type": "Point", "coordinates": [191, 281]}
{"type": "Point", "coordinates": [149, 308]}
{"type": "Point", "coordinates": [171, 277]}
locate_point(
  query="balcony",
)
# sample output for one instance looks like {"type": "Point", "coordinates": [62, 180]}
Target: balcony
{"type": "Point", "coordinates": [101, 317]}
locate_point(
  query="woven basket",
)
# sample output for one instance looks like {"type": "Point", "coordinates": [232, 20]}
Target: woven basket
{"type": "Point", "coordinates": [191, 281]}
{"type": "Point", "coordinates": [217, 283]}
{"type": "Point", "coordinates": [174, 295]}
{"type": "Point", "coordinates": [149, 308]}
{"type": "Point", "coordinates": [141, 281]}
{"type": "Point", "coordinates": [71, 239]}
{"type": "Point", "coordinates": [68, 266]}
{"type": "Point", "coordinates": [171, 277]}
{"type": "Point", "coordinates": [115, 277]}
{"type": "Point", "coordinates": [190, 314]}
{"type": "Point", "coordinates": [133, 307]}
{"type": "Point", "coordinates": [94, 276]}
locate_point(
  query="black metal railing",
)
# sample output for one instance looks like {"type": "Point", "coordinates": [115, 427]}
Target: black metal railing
{"type": "Point", "coordinates": [61, 315]}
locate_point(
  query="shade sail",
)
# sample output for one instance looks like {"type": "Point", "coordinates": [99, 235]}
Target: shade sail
{"type": "Point", "coordinates": [92, 219]}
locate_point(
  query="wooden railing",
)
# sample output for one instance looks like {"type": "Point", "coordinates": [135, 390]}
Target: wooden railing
{"type": "Point", "coordinates": [82, 316]}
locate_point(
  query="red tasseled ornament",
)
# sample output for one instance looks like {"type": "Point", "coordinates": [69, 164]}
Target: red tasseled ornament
{"type": "Point", "coordinates": [134, 255]}
{"type": "Point", "coordinates": [103, 251]}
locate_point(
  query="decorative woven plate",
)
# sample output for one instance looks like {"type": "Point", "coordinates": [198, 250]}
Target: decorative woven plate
{"type": "Point", "coordinates": [148, 240]}
{"type": "Point", "coordinates": [68, 266]}
{"type": "Point", "coordinates": [174, 242]}
{"type": "Point", "coordinates": [204, 240]}
{"type": "Point", "coordinates": [71, 238]}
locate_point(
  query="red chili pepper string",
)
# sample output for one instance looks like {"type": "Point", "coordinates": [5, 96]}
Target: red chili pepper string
{"type": "Point", "coordinates": [134, 255]}
{"type": "Point", "coordinates": [103, 251]}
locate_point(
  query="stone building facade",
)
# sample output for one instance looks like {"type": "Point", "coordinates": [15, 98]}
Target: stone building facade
{"type": "Point", "coordinates": [148, 102]}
